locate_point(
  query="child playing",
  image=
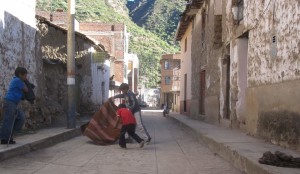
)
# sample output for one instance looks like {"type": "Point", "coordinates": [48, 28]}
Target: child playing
{"type": "Point", "coordinates": [128, 125]}
{"type": "Point", "coordinates": [133, 105]}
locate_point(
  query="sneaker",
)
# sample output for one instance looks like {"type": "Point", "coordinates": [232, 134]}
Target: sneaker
{"type": "Point", "coordinates": [123, 147]}
{"type": "Point", "coordinates": [148, 141]}
{"type": "Point", "coordinates": [142, 144]}
{"type": "Point", "coordinates": [6, 142]}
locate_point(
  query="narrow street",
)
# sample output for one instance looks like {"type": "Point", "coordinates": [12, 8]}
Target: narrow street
{"type": "Point", "coordinates": [171, 151]}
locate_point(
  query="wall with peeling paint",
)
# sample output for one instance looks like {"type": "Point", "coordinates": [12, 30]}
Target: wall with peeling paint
{"type": "Point", "coordinates": [269, 62]}
{"type": "Point", "coordinates": [206, 51]}
{"type": "Point", "coordinates": [268, 106]}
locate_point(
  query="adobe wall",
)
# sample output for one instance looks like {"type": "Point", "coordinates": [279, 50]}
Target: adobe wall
{"type": "Point", "coordinates": [273, 113]}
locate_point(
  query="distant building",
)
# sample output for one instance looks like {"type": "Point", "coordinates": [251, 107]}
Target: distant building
{"type": "Point", "coordinates": [115, 39]}
{"type": "Point", "coordinates": [170, 81]}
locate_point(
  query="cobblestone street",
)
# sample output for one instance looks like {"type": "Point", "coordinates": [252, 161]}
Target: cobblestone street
{"type": "Point", "coordinates": [171, 151]}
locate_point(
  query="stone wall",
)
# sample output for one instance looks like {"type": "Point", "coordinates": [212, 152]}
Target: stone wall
{"type": "Point", "coordinates": [19, 47]}
{"type": "Point", "coordinates": [274, 48]}
{"type": "Point", "coordinates": [53, 44]}
{"type": "Point", "coordinates": [251, 67]}
{"type": "Point", "coordinates": [268, 108]}
{"type": "Point", "coordinates": [41, 49]}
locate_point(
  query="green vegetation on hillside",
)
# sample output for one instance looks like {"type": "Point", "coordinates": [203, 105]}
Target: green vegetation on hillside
{"type": "Point", "coordinates": [158, 16]}
{"type": "Point", "coordinates": [148, 46]}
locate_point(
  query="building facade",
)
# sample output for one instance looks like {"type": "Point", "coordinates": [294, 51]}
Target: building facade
{"type": "Point", "coordinates": [244, 63]}
{"type": "Point", "coordinates": [170, 78]}
{"type": "Point", "coordinates": [115, 39]}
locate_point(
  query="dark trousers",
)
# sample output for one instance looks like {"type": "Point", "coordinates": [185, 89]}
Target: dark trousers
{"type": "Point", "coordinates": [130, 129]}
{"type": "Point", "coordinates": [13, 119]}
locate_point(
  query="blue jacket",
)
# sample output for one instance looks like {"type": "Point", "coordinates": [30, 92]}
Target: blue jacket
{"type": "Point", "coordinates": [15, 90]}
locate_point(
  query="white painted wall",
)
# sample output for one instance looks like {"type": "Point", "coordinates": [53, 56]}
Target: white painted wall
{"type": "Point", "coordinates": [186, 63]}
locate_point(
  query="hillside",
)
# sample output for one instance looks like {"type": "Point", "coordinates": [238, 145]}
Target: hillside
{"type": "Point", "coordinates": [158, 16]}
{"type": "Point", "coordinates": [148, 46]}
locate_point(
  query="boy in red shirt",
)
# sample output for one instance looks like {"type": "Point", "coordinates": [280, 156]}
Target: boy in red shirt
{"type": "Point", "coordinates": [128, 125]}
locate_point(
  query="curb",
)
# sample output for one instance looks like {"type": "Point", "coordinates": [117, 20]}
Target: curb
{"type": "Point", "coordinates": [39, 144]}
{"type": "Point", "coordinates": [239, 161]}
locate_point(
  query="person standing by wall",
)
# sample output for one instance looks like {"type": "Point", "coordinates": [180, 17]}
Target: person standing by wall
{"type": "Point", "coordinates": [133, 105]}
{"type": "Point", "coordinates": [13, 116]}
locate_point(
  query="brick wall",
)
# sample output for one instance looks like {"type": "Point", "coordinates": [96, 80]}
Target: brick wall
{"type": "Point", "coordinates": [119, 71]}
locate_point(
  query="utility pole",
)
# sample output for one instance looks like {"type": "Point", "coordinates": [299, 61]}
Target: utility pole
{"type": "Point", "coordinates": [71, 118]}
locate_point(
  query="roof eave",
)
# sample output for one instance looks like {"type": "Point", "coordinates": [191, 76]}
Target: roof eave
{"type": "Point", "coordinates": [186, 17]}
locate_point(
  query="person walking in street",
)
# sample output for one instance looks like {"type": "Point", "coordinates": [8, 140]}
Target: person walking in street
{"type": "Point", "coordinates": [128, 126]}
{"type": "Point", "coordinates": [165, 110]}
{"type": "Point", "coordinates": [133, 105]}
{"type": "Point", "coordinates": [13, 116]}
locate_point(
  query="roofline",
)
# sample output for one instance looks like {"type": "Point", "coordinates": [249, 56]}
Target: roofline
{"type": "Point", "coordinates": [98, 45]}
{"type": "Point", "coordinates": [186, 17]}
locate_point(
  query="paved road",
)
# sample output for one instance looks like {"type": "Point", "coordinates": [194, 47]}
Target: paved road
{"type": "Point", "coordinates": [171, 151]}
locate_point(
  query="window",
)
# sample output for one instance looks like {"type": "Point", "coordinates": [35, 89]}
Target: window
{"type": "Point", "coordinates": [125, 71]}
{"type": "Point", "coordinates": [185, 44]}
{"type": "Point", "coordinates": [203, 29]}
{"type": "Point", "coordinates": [240, 4]}
{"type": "Point", "coordinates": [167, 80]}
{"type": "Point", "coordinates": [167, 65]}
{"type": "Point", "coordinates": [130, 65]}
{"type": "Point", "coordinates": [175, 99]}
{"type": "Point", "coordinates": [202, 93]}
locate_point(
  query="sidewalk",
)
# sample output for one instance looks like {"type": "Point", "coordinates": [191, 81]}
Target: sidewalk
{"type": "Point", "coordinates": [241, 150]}
{"type": "Point", "coordinates": [40, 139]}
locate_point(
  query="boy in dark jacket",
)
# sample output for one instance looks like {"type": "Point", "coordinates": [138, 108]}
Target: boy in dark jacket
{"type": "Point", "coordinates": [128, 125]}
{"type": "Point", "coordinates": [133, 105]}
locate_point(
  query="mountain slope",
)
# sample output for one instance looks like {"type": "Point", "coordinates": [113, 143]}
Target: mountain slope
{"type": "Point", "coordinates": [140, 10]}
{"type": "Point", "coordinates": [158, 16]}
